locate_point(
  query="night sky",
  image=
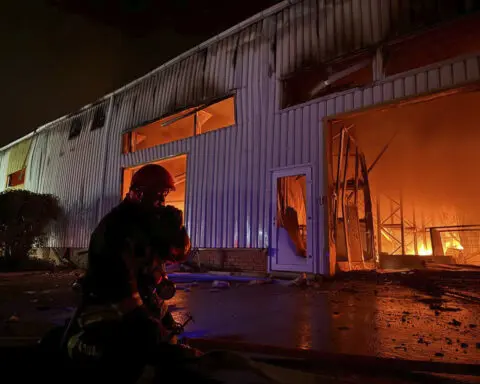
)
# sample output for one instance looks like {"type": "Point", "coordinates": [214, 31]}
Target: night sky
{"type": "Point", "coordinates": [58, 55]}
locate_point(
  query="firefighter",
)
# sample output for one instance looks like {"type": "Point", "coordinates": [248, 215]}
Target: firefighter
{"type": "Point", "coordinates": [121, 324]}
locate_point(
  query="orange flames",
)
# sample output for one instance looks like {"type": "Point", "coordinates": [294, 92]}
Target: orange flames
{"type": "Point", "coordinates": [424, 251]}
{"type": "Point", "coordinates": [450, 243]}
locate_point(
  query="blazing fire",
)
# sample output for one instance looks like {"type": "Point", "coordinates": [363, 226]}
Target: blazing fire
{"type": "Point", "coordinates": [453, 244]}
{"type": "Point", "coordinates": [424, 251]}
{"type": "Point", "coordinates": [449, 243]}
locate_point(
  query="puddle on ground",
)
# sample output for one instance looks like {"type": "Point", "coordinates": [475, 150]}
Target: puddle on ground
{"type": "Point", "coordinates": [389, 323]}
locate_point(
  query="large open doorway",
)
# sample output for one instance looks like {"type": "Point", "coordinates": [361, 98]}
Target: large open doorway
{"type": "Point", "coordinates": [403, 182]}
{"type": "Point", "coordinates": [177, 166]}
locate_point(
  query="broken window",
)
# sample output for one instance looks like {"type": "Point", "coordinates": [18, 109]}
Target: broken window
{"type": "Point", "coordinates": [163, 131]}
{"type": "Point", "coordinates": [439, 44]}
{"type": "Point", "coordinates": [182, 125]}
{"type": "Point", "coordinates": [75, 129]}
{"type": "Point", "coordinates": [216, 116]}
{"type": "Point", "coordinates": [98, 119]}
{"type": "Point", "coordinates": [292, 210]}
{"type": "Point", "coordinates": [320, 80]}
{"type": "Point", "coordinates": [16, 179]}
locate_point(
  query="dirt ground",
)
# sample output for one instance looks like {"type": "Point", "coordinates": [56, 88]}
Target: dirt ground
{"type": "Point", "coordinates": [417, 316]}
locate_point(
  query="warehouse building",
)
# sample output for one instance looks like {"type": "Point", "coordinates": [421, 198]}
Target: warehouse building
{"type": "Point", "coordinates": [318, 135]}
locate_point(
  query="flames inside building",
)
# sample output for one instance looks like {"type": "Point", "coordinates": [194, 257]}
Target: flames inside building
{"type": "Point", "coordinates": [403, 181]}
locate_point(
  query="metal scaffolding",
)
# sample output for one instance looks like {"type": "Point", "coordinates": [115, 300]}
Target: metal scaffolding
{"type": "Point", "coordinates": [399, 226]}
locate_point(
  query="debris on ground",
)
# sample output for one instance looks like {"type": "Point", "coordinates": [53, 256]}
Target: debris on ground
{"type": "Point", "coordinates": [455, 323]}
{"type": "Point", "coordinates": [260, 282]}
{"type": "Point", "coordinates": [300, 281]}
{"type": "Point", "coordinates": [464, 345]}
{"type": "Point", "coordinates": [13, 319]}
{"type": "Point", "coordinates": [217, 284]}
{"type": "Point", "coordinates": [440, 308]}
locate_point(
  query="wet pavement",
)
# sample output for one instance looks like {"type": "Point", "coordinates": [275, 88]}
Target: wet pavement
{"type": "Point", "coordinates": [383, 319]}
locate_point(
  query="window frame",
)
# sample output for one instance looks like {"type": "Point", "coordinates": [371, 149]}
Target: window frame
{"type": "Point", "coordinates": [73, 133]}
{"type": "Point", "coordinates": [355, 58]}
{"type": "Point", "coordinates": [127, 134]}
{"type": "Point", "coordinates": [23, 172]}
{"type": "Point", "coordinates": [99, 110]}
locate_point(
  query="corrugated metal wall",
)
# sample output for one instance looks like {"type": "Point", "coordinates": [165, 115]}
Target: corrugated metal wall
{"type": "Point", "coordinates": [3, 169]}
{"type": "Point", "coordinates": [71, 170]}
{"type": "Point", "coordinates": [228, 178]}
{"type": "Point", "coordinates": [313, 31]}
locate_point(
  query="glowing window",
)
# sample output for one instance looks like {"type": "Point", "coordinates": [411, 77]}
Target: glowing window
{"type": "Point", "coordinates": [216, 116]}
{"type": "Point", "coordinates": [182, 125]}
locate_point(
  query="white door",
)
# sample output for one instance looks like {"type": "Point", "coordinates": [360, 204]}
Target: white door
{"type": "Point", "coordinates": [291, 248]}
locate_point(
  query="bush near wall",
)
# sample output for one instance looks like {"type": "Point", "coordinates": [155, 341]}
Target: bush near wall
{"type": "Point", "coordinates": [25, 218]}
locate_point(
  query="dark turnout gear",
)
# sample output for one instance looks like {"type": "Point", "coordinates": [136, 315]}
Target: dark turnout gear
{"type": "Point", "coordinates": [123, 313]}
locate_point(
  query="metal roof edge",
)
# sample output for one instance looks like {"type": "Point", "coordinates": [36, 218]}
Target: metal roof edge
{"type": "Point", "coordinates": [231, 31]}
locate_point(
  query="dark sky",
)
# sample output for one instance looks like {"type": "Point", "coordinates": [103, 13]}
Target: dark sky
{"type": "Point", "coordinates": [58, 55]}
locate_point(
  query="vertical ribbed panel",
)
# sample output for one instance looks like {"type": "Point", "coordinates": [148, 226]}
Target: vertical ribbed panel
{"type": "Point", "coordinates": [228, 187]}
{"type": "Point", "coordinates": [69, 169]}
{"type": "Point", "coordinates": [318, 30]}
{"type": "Point", "coordinates": [3, 169]}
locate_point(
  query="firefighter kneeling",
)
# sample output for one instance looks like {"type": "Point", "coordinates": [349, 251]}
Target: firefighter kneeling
{"type": "Point", "coordinates": [124, 320]}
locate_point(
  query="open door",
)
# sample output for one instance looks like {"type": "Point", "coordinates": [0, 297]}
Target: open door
{"type": "Point", "coordinates": [291, 248]}
{"type": "Point", "coordinates": [350, 201]}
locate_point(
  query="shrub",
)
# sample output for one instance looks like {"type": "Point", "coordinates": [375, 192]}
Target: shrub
{"type": "Point", "coordinates": [25, 218]}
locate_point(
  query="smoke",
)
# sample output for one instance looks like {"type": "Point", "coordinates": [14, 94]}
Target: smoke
{"type": "Point", "coordinates": [434, 156]}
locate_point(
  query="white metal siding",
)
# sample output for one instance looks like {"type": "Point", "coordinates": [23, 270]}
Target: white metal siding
{"type": "Point", "coordinates": [71, 170]}
{"type": "Point", "coordinates": [3, 169]}
{"type": "Point", "coordinates": [228, 194]}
